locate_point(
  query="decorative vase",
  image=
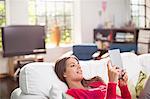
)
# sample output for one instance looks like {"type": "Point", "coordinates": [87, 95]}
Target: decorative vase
{"type": "Point", "coordinates": [56, 34]}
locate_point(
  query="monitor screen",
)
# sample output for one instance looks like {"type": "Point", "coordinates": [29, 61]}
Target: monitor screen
{"type": "Point", "coordinates": [23, 40]}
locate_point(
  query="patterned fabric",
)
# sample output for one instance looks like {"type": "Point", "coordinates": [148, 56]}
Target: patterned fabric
{"type": "Point", "coordinates": [145, 94]}
{"type": "Point", "coordinates": [140, 84]}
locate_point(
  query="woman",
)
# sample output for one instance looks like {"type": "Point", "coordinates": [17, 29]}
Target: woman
{"type": "Point", "coordinates": [69, 71]}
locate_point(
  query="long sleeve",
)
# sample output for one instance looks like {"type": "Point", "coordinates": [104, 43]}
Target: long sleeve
{"type": "Point", "coordinates": [125, 94]}
{"type": "Point", "coordinates": [111, 91]}
{"type": "Point", "coordinates": [85, 94]}
{"type": "Point", "coordinates": [98, 91]}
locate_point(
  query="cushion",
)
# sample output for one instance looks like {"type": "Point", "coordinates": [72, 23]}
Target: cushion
{"type": "Point", "coordinates": [145, 94]}
{"type": "Point", "coordinates": [38, 78]}
{"type": "Point", "coordinates": [99, 67]}
{"type": "Point", "coordinates": [56, 92]}
{"type": "Point", "coordinates": [17, 94]}
{"type": "Point", "coordinates": [140, 84]}
{"type": "Point", "coordinates": [92, 68]}
{"type": "Point", "coordinates": [144, 61]}
{"type": "Point", "coordinates": [84, 52]}
{"type": "Point", "coordinates": [131, 65]}
{"type": "Point", "coordinates": [124, 47]}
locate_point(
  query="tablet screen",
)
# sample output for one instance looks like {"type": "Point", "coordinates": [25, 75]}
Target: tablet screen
{"type": "Point", "coordinates": [115, 58]}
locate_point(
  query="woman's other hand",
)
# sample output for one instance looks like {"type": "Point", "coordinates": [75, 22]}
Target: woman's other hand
{"type": "Point", "coordinates": [124, 80]}
{"type": "Point", "coordinates": [113, 72]}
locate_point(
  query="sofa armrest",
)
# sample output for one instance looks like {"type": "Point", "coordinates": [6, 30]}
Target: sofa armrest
{"type": "Point", "coordinates": [17, 94]}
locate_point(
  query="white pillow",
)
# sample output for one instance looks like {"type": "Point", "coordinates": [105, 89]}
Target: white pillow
{"type": "Point", "coordinates": [55, 92]}
{"type": "Point", "coordinates": [38, 78]}
{"type": "Point", "coordinates": [144, 60]}
{"type": "Point", "coordinates": [57, 89]}
{"type": "Point", "coordinates": [92, 68]}
{"type": "Point", "coordinates": [131, 64]}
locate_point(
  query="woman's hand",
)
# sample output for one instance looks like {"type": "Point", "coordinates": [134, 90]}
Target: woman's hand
{"type": "Point", "coordinates": [113, 72]}
{"type": "Point", "coordinates": [124, 80]}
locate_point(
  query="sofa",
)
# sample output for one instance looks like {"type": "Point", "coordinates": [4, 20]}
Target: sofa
{"type": "Point", "coordinates": [39, 81]}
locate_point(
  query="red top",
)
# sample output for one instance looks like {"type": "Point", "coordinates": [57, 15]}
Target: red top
{"type": "Point", "coordinates": [100, 91]}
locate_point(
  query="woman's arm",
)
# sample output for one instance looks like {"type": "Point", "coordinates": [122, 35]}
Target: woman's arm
{"type": "Point", "coordinates": [113, 74]}
{"type": "Point", "coordinates": [124, 88]}
{"type": "Point", "coordinates": [125, 94]}
{"type": "Point", "coordinates": [111, 91]}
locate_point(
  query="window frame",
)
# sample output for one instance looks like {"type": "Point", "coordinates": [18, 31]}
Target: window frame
{"type": "Point", "coordinates": [1, 18]}
{"type": "Point", "coordinates": [65, 26]}
{"type": "Point", "coordinates": [136, 16]}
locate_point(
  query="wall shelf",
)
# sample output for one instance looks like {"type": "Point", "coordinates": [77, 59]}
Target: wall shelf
{"type": "Point", "coordinates": [124, 39]}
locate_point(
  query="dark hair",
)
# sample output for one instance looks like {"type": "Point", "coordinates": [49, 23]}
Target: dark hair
{"type": "Point", "coordinates": [60, 67]}
{"type": "Point", "coordinates": [86, 82]}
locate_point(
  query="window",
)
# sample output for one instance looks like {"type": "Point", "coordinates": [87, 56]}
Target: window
{"type": "Point", "coordinates": [2, 18]}
{"type": "Point", "coordinates": [140, 12]}
{"type": "Point", "coordinates": [49, 12]}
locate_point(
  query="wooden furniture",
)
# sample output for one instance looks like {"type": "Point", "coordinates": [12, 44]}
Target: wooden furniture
{"type": "Point", "coordinates": [124, 39]}
{"type": "Point", "coordinates": [16, 63]}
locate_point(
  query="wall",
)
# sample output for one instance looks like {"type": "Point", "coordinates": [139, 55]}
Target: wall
{"type": "Point", "coordinates": [17, 12]}
{"type": "Point", "coordinates": [86, 19]}
{"type": "Point", "coordinates": [117, 11]}
{"type": "Point", "coordinates": [77, 35]}
{"type": "Point", "coordinates": [89, 18]}
{"type": "Point", "coordinates": [86, 15]}
{"type": "Point", "coordinates": [54, 53]}
{"type": "Point", "coordinates": [3, 64]}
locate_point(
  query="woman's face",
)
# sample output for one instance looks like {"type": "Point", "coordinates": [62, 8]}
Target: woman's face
{"type": "Point", "coordinates": [73, 70]}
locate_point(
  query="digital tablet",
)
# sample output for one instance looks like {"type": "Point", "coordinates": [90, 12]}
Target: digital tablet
{"type": "Point", "coordinates": [115, 58]}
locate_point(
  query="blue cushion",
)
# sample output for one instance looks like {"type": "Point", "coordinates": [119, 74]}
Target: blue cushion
{"type": "Point", "coordinates": [124, 47]}
{"type": "Point", "coordinates": [84, 52]}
